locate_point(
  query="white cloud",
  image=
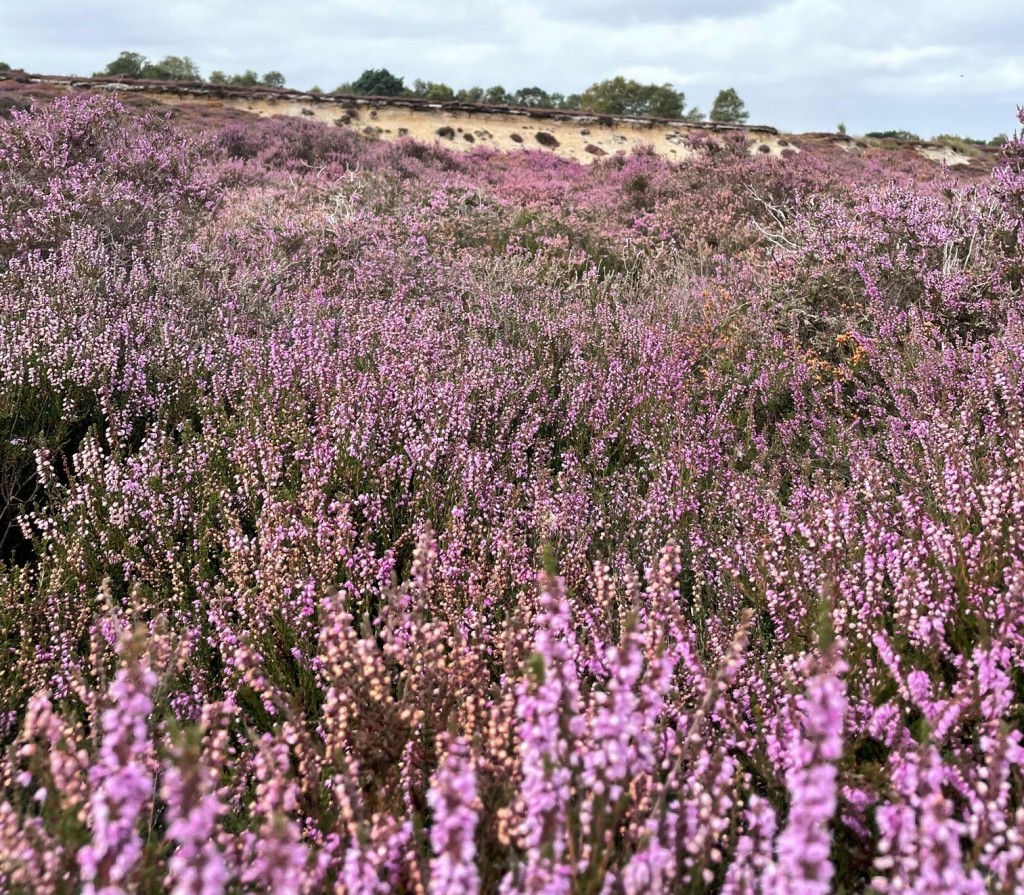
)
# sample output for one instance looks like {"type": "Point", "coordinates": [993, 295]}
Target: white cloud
{"type": "Point", "coordinates": [898, 58]}
{"type": "Point", "coordinates": [798, 64]}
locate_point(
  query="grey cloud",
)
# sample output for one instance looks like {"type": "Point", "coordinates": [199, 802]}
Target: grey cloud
{"type": "Point", "coordinates": [615, 13]}
{"type": "Point", "coordinates": [799, 64]}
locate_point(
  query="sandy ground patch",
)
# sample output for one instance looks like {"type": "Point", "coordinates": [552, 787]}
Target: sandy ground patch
{"type": "Point", "coordinates": [947, 155]}
{"type": "Point", "coordinates": [582, 139]}
{"type": "Point", "coordinates": [462, 126]}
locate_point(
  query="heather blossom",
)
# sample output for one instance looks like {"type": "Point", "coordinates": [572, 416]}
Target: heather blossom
{"type": "Point", "coordinates": [919, 844]}
{"type": "Point", "coordinates": [550, 721]}
{"type": "Point", "coordinates": [803, 846]}
{"type": "Point", "coordinates": [193, 812]}
{"type": "Point", "coordinates": [374, 862]}
{"type": "Point", "coordinates": [453, 798]}
{"type": "Point", "coordinates": [292, 420]}
{"type": "Point", "coordinates": [121, 777]}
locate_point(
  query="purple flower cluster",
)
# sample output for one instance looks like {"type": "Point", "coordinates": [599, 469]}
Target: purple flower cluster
{"type": "Point", "coordinates": [453, 799]}
{"type": "Point", "coordinates": [803, 865]}
{"type": "Point", "coordinates": [120, 780]}
{"type": "Point", "coordinates": [291, 422]}
{"type": "Point", "coordinates": [548, 709]}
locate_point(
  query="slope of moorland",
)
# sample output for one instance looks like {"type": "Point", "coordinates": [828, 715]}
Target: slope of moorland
{"type": "Point", "coordinates": [581, 136]}
{"type": "Point", "coordinates": [379, 518]}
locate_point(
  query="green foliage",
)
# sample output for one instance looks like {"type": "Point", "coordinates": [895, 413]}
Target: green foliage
{"type": "Point", "coordinates": [841, 128]}
{"type": "Point", "coordinates": [729, 108]}
{"type": "Point", "coordinates": [497, 96]}
{"type": "Point", "coordinates": [432, 90]}
{"type": "Point", "coordinates": [135, 65]}
{"type": "Point", "coordinates": [249, 78]}
{"type": "Point", "coordinates": [561, 101]}
{"type": "Point", "coordinates": [966, 145]}
{"type": "Point", "coordinates": [378, 82]}
{"type": "Point", "coordinates": [172, 68]}
{"type": "Point", "coordinates": [619, 96]}
{"type": "Point", "coordinates": [892, 135]}
{"type": "Point", "coordinates": [955, 138]}
{"type": "Point", "coordinates": [127, 65]}
{"type": "Point", "coordinates": [4, 66]}
{"type": "Point", "coordinates": [532, 97]}
{"type": "Point", "coordinates": [470, 95]}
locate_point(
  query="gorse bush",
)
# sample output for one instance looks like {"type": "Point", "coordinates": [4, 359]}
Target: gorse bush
{"type": "Point", "coordinates": [387, 520]}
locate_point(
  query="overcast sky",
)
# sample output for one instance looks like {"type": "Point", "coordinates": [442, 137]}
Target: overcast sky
{"type": "Point", "coordinates": [942, 66]}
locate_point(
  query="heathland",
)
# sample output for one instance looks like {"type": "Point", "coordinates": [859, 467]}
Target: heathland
{"type": "Point", "coordinates": [377, 518]}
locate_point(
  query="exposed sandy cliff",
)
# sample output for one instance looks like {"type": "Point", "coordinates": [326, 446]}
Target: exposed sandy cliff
{"type": "Point", "coordinates": [462, 126]}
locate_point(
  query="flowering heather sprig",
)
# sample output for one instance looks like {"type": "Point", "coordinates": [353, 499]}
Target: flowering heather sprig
{"type": "Point", "coordinates": [652, 870]}
{"type": "Point", "coordinates": [62, 749]}
{"type": "Point", "coordinates": [803, 865]}
{"type": "Point", "coordinates": [1009, 181]}
{"type": "Point", "coordinates": [623, 730]}
{"type": "Point", "coordinates": [453, 799]}
{"type": "Point", "coordinates": [276, 860]}
{"type": "Point", "coordinates": [919, 847]}
{"type": "Point", "coordinates": [548, 709]}
{"type": "Point", "coordinates": [627, 740]}
{"type": "Point", "coordinates": [753, 870]}
{"type": "Point", "coordinates": [313, 403]}
{"type": "Point", "coordinates": [194, 809]}
{"type": "Point", "coordinates": [122, 775]}
{"type": "Point", "coordinates": [31, 859]}
{"type": "Point", "coordinates": [374, 862]}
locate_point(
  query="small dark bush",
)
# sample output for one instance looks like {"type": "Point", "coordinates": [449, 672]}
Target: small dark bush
{"type": "Point", "coordinates": [10, 104]}
{"type": "Point", "coordinates": [892, 135]}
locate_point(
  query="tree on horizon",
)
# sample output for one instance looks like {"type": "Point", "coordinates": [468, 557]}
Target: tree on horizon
{"type": "Point", "coordinates": [377, 82]}
{"type": "Point", "coordinates": [729, 108]}
{"type": "Point", "coordinates": [135, 65]}
{"type": "Point", "coordinates": [619, 96]}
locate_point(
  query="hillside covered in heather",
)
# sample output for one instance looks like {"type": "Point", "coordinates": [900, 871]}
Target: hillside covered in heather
{"type": "Point", "coordinates": [465, 125]}
{"type": "Point", "coordinates": [376, 518]}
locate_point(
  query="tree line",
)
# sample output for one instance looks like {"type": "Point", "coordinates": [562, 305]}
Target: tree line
{"type": "Point", "coordinates": [614, 96]}
{"type": "Point", "coordinates": [182, 68]}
